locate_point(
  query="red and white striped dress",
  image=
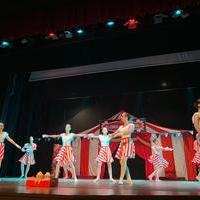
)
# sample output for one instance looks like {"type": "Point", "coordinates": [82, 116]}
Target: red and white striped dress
{"type": "Point", "coordinates": [28, 158]}
{"type": "Point", "coordinates": [127, 146]}
{"type": "Point", "coordinates": [157, 158]}
{"type": "Point", "coordinates": [105, 154]}
{"type": "Point", "coordinates": [196, 158]}
{"type": "Point", "coordinates": [65, 154]}
{"type": "Point", "coordinates": [2, 144]}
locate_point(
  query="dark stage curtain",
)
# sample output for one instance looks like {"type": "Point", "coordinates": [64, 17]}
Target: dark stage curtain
{"type": "Point", "coordinates": [10, 113]}
{"type": "Point", "coordinates": [63, 15]}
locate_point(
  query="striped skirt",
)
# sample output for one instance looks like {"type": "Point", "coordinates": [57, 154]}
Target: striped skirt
{"type": "Point", "coordinates": [2, 148]}
{"type": "Point", "coordinates": [105, 155]}
{"type": "Point", "coordinates": [65, 155]}
{"type": "Point", "coordinates": [158, 161]}
{"type": "Point", "coordinates": [27, 159]}
{"type": "Point", "coordinates": [126, 149]}
{"type": "Point", "coordinates": [196, 158]}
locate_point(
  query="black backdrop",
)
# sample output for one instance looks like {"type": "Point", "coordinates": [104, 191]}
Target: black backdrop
{"type": "Point", "coordinates": [44, 107]}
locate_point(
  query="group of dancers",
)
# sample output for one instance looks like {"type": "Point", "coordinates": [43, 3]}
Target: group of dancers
{"type": "Point", "coordinates": [125, 151]}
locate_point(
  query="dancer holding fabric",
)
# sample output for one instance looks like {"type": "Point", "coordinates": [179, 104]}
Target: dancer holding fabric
{"type": "Point", "coordinates": [28, 158]}
{"type": "Point", "coordinates": [65, 155]}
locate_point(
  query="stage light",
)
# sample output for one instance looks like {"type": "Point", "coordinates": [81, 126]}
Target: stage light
{"type": "Point", "coordinates": [164, 84]}
{"type": "Point", "coordinates": [52, 36]}
{"type": "Point", "coordinates": [110, 23]}
{"type": "Point", "coordinates": [178, 12]}
{"type": "Point", "coordinates": [5, 44]}
{"type": "Point", "coordinates": [131, 24]}
{"type": "Point", "coordinates": [68, 34]}
{"type": "Point", "coordinates": [80, 31]}
{"type": "Point", "coordinates": [24, 41]}
{"type": "Point", "coordinates": [159, 18]}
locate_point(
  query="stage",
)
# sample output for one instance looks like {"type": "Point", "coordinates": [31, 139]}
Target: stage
{"type": "Point", "coordinates": [14, 188]}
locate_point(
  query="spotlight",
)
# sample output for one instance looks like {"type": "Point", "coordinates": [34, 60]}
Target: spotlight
{"type": "Point", "coordinates": [110, 23]}
{"type": "Point", "coordinates": [158, 18]}
{"type": "Point", "coordinates": [164, 84]}
{"type": "Point", "coordinates": [52, 36]}
{"type": "Point", "coordinates": [24, 41]}
{"type": "Point", "coordinates": [80, 31]}
{"type": "Point", "coordinates": [5, 44]}
{"type": "Point", "coordinates": [131, 24]}
{"type": "Point", "coordinates": [68, 34]}
{"type": "Point", "coordinates": [179, 13]}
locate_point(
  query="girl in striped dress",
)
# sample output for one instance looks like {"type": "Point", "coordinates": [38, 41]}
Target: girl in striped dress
{"type": "Point", "coordinates": [65, 155]}
{"type": "Point", "coordinates": [196, 158]}
{"type": "Point", "coordinates": [126, 148]}
{"type": "Point", "coordinates": [157, 158]}
{"type": "Point", "coordinates": [28, 158]}
{"type": "Point", "coordinates": [105, 154]}
{"type": "Point", "coordinates": [4, 136]}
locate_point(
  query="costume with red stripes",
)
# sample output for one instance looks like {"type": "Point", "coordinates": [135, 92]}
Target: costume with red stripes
{"type": "Point", "coordinates": [196, 158]}
{"type": "Point", "coordinates": [65, 154]}
{"type": "Point", "coordinates": [105, 154]}
{"type": "Point", "coordinates": [126, 147]}
{"type": "Point", "coordinates": [2, 144]}
{"type": "Point", "coordinates": [28, 157]}
{"type": "Point", "coordinates": [157, 158]}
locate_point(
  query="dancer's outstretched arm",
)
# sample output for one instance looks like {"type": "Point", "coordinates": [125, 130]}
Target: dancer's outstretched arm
{"type": "Point", "coordinates": [13, 142]}
{"type": "Point", "coordinates": [91, 135]}
{"type": "Point", "coordinates": [51, 136]}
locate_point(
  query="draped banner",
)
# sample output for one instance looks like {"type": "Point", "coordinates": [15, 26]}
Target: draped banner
{"type": "Point", "coordinates": [180, 159]}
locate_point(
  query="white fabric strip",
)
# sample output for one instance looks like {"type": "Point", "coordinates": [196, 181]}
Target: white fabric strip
{"type": "Point", "coordinates": [179, 156]}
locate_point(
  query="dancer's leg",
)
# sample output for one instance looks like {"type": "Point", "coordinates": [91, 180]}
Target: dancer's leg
{"type": "Point", "coordinates": [110, 171]}
{"type": "Point", "coordinates": [57, 170]}
{"type": "Point", "coordinates": [99, 164]}
{"type": "Point", "coordinates": [73, 171]}
{"type": "Point", "coordinates": [123, 163]}
{"type": "Point", "coordinates": [128, 176]}
{"type": "Point", "coordinates": [27, 170]}
{"type": "Point", "coordinates": [22, 170]}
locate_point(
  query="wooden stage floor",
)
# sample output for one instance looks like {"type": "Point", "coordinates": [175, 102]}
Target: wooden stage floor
{"type": "Point", "coordinates": [14, 188]}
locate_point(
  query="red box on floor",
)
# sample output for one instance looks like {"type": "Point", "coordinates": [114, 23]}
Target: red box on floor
{"type": "Point", "coordinates": [33, 182]}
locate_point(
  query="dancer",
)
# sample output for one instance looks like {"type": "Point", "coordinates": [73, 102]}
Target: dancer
{"type": "Point", "coordinates": [196, 117]}
{"type": "Point", "coordinates": [196, 158]}
{"type": "Point", "coordinates": [4, 135]}
{"type": "Point", "coordinates": [157, 158]}
{"type": "Point", "coordinates": [105, 154]}
{"type": "Point", "coordinates": [28, 158]}
{"type": "Point", "coordinates": [65, 155]}
{"type": "Point", "coordinates": [126, 148]}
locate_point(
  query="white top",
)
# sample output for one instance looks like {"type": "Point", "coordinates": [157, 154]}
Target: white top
{"type": "Point", "coordinates": [67, 139]}
{"type": "Point", "coordinates": [156, 150]}
{"type": "Point", "coordinates": [105, 140]}
{"type": "Point", "coordinates": [124, 128]}
{"type": "Point", "coordinates": [3, 136]}
{"type": "Point", "coordinates": [30, 148]}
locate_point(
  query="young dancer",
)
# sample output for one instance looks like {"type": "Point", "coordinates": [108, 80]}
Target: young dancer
{"type": "Point", "coordinates": [65, 155]}
{"type": "Point", "coordinates": [157, 158]}
{"type": "Point", "coordinates": [28, 158]}
{"type": "Point", "coordinates": [4, 135]}
{"type": "Point", "coordinates": [104, 155]}
{"type": "Point", "coordinates": [196, 117]}
{"type": "Point", "coordinates": [196, 158]}
{"type": "Point", "coordinates": [126, 148]}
